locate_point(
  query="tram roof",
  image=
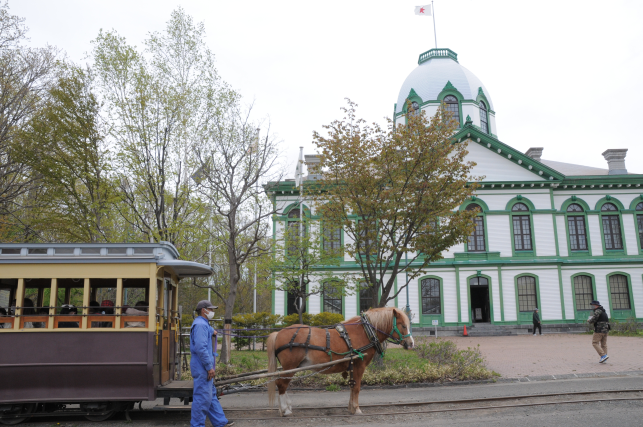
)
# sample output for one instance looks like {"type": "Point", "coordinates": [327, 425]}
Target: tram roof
{"type": "Point", "coordinates": [162, 253]}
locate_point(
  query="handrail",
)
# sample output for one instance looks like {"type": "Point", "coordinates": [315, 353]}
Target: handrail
{"type": "Point", "coordinates": [437, 53]}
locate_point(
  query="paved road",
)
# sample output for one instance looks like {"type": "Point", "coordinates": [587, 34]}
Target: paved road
{"type": "Point", "coordinates": [612, 414]}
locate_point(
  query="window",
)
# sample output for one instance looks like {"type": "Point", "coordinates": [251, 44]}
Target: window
{"type": "Point", "coordinates": [366, 297]}
{"type": "Point", "coordinates": [431, 296]}
{"type": "Point", "coordinates": [293, 302]}
{"type": "Point", "coordinates": [619, 291]}
{"type": "Point", "coordinates": [527, 297]}
{"type": "Point", "coordinates": [576, 227]}
{"type": "Point", "coordinates": [367, 245]}
{"type": "Point", "coordinates": [293, 231]}
{"type": "Point", "coordinates": [332, 238]}
{"type": "Point", "coordinates": [332, 300]}
{"type": "Point", "coordinates": [583, 292]}
{"type": "Point", "coordinates": [478, 281]}
{"type": "Point", "coordinates": [639, 222]}
{"type": "Point", "coordinates": [611, 228]}
{"type": "Point", "coordinates": [476, 239]}
{"type": "Point", "coordinates": [414, 108]}
{"type": "Point", "coordinates": [483, 117]}
{"type": "Point", "coordinates": [521, 228]}
{"type": "Point", "coordinates": [453, 107]}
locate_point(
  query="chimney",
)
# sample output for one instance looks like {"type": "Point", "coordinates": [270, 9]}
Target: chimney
{"type": "Point", "coordinates": [535, 153]}
{"type": "Point", "coordinates": [616, 160]}
{"type": "Point", "coordinates": [312, 161]}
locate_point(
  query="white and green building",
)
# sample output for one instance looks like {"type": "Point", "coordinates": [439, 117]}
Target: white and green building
{"type": "Point", "coordinates": [551, 234]}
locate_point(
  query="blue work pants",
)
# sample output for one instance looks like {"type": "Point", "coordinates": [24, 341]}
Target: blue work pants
{"type": "Point", "coordinates": [205, 402]}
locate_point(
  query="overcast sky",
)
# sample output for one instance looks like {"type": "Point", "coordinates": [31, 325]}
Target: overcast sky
{"type": "Point", "coordinates": [566, 75]}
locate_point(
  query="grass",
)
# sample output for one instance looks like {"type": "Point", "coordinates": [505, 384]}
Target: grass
{"type": "Point", "coordinates": [399, 366]}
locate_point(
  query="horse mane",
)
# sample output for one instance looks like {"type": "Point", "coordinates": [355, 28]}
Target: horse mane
{"type": "Point", "coordinates": [381, 318]}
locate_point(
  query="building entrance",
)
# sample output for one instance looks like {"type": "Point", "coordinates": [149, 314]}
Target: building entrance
{"type": "Point", "coordinates": [479, 292]}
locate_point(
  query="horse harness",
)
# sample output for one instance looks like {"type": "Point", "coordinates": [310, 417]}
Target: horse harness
{"type": "Point", "coordinates": [341, 329]}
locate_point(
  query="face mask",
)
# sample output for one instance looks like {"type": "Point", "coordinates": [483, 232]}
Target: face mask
{"type": "Point", "coordinates": [210, 315]}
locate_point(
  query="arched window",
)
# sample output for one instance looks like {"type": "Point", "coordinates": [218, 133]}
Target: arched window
{"type": "Point", "coordinates": [293, 231]}
{"type": "Point", "coordinates": [611, 227]}
{"type": "Point", "coordinates": [639, 222]}
{"type": "Point", "coordinates": [619, 292]}
{"type": "Point", "coordinates": [453, 107]}
{"type": "Point", "coordinates": [476, 239]}
{"type": "Point", "coordinates": [576, 227]}
{"type": "Point", "coordinates": [583, 292]}
{"type": "Point", "coordinates": [414, 108]}
{"type": "Point", "coordinates": [521, 228]}
{"type": "Point", "coordinates": [431, 296]}
{"type": "Point", "coordinates": [527, 296]}
{"type": "Point", "coordinates": [332, 298]}
{"type": "Point", "coordinates": [484, 118]}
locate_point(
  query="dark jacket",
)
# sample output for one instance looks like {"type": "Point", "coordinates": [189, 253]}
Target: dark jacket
{"type": "Point", "coordinates": [600, 320]}
{"type": "Point", "coordinates": [536, 317]}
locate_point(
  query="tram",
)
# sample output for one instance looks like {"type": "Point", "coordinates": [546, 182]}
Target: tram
{"type": "Point", "coordinates": [93, 326]}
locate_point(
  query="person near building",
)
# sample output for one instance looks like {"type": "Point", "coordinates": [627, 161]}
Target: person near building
{"type": "Point", "coordinates": [536, 319]}
{"type": "Point", "coordinates": [601, 329]}
{"type": "Point", "coordinates": [204, 397]}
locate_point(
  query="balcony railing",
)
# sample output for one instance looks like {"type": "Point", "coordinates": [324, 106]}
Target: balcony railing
{"type": "Point", "coordinates": [437, 53]}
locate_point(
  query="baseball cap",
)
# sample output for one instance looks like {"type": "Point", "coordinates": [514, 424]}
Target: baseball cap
{"type": "Point", "coordinates": [594, 303]}
{"type": "Point", "coordinates": [205, 304]}
{"type": "Point", "coordinates": [107, 303]}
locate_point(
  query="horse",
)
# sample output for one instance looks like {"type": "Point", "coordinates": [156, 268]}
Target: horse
{"type": "Point", "coordinates": [361, 335]}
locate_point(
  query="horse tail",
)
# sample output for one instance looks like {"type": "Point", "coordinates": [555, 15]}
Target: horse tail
{"type": "Point", "coordinates": [272, 367]}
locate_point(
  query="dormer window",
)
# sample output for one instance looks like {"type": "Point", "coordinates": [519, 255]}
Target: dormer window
{"type": "Point", "coordinates": [453, 107]}
{"type": "Point", "coordinates": [413, 109]}
{"type": "Point", "coordinates": [484, 117]}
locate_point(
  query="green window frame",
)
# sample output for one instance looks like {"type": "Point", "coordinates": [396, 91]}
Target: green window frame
{"type": "Point", "coordinates": [527, 294]}
{"type": "Point", "coordinates": [367, 297]}
{"type": "Point", "coordinates": [521, 227]}
{"type": "Point", "coordinates": [331, 237]}
{"type": "Point", "coordinates": [477, 241]}
{"type": "Point", "coordinates": [453, 106]}
{"type": "Point", "coordinates": [292, 220]}
{"type": "Point", "coordinates": [583, 292]}
{"type": "Point", "coordinates": [620, 292]}
{"type": "Point", "coordinates": [611, 225]}
{"type": "Point", "coordinates": [484, 117]}
{"type": "Point", "coordinates": [639, 223]}
{"type": "Point", "coordinates": [577, 228]}
{"type": "Point", "coordinates": [332, 300]}
{"type": "Point", "coordinates": [430, 289]}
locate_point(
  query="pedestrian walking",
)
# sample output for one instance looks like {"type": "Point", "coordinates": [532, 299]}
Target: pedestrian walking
{"type": "Point", "coordinates": [536, 319]}
{"type": "Point", "coordinates": [202, 362]}
{"type": "Point", "coordinates": [601, 329]}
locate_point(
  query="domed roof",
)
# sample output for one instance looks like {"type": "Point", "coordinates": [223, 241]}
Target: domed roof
{"type": "Point", "coordinates": [435, 69]}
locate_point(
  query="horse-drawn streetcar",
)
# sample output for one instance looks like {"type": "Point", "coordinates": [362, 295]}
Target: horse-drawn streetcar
{"type": "Point", "coordinates": [93, 326]}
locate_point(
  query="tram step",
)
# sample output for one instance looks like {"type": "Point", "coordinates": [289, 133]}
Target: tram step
{"type": "Point", "coordinates": [175, 408]}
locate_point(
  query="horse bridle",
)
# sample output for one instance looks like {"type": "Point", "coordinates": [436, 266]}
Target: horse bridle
{"type": "Point", "coordinates": [370, 332]}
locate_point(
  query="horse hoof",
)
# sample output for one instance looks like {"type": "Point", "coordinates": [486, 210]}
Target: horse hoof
{"type": "Point", "coordinates": [286, 414]}
{"type": "Point", "coordinates": [358, 412]}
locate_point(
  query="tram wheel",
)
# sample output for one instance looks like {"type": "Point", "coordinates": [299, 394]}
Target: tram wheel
{"type": "Point", "coordinates": [101, 417]}
{"type": "Point", "coordinates": [25, 409]}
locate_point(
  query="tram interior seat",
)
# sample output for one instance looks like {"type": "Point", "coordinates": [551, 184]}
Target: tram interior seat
{"type": "Point", "coordinates": [140, 311]}
{"type": "Point", "coordinates": [69, 310]}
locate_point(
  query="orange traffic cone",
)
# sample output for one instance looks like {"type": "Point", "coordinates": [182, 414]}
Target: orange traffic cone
{"type": "Point", "coordinates": [464, 334]}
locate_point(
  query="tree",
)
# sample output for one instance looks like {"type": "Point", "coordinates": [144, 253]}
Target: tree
{"type": "Point", "coordinates": [159, 102]}
{"type": "Point", "coordinates": [303, 263]}
{"type": "Point", "coordinates": [396, 193]}
{"type": "Point", "coordinates": [234, 162]}
{"type": "Point", "coordinates": [64, 144]}
{"type": "Point", "coordinates": [25, 76]}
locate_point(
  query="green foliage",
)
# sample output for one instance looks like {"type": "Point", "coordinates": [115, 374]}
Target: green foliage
{"type": "Point", "coordinates": [333, 387]}
{"type": "Point", "coordinates": [325, 319]}
{"type": "Point", "coordinates": [629, 327]}
{"type": "Point", "coordinates": [293, 319]}
{"type": "Point", "coordinates": [406, 183]}
{"type": "Point", "coordinates": [253, 321]}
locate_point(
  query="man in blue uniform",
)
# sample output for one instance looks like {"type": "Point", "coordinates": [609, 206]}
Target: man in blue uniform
{"type": "Point", "coordinates": [204, 397]}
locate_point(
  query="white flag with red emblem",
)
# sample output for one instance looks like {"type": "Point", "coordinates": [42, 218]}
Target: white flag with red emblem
{"type": "Point", "coordinates": [423, 10]}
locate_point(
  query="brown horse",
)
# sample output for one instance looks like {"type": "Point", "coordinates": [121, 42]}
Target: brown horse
{"type": "Point", "coordinates": [386, 322]}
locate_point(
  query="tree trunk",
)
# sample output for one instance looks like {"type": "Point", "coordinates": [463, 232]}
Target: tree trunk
{"type": "Point", "coordinates": [232, 296]}
{"type": "Point", "coordinates": [300, 309]}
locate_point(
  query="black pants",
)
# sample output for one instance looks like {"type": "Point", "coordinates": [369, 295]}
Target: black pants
{"type": "Point", "coordinates": [537, 325]}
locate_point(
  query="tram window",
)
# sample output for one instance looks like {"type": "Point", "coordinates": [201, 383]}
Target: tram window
{"type": "Point", "coordinates": [7, 251]}
{"type": "Point", "coordinates": [90, 251]}
{"type": "Point", "coordinates": [69, 302]}
{"type": "Point", "coordinates": [64, 251]}
{"type": "Point", "coordinates": [35, 312]}
{"type": "Point", "coordinates": [143, 251]}
{"type": "Point", "coordinates": [7, 302]}
{"type": "Point", "coordinates": [117, 251]}
{"type": "Point", "coordinates": [103, 291]}
{"type": "Point", "coordinates": [135, 303]}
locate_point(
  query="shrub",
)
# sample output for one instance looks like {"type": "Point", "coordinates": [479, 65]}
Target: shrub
{"type": "Point", "coordinates": [628, 327]}
{"type": "Point", "coordinates": [293, 319]}
{"type": "Point", "coordinates": [439, 352]}
{"type": "Point", "coordinates": [252, 321]}
{"type": "Point", "coordinates": [326, 319]}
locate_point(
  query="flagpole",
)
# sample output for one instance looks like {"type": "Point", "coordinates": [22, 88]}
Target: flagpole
{"type": "Point", "coordinates": [434, 32]}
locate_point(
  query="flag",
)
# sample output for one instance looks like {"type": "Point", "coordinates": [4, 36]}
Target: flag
{"type": "Point", "coordinates": [423, 10]}
{"type": "Point", "coordinates": [300, 166]}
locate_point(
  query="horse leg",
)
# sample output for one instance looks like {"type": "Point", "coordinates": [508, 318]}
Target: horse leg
{"type": "Point", "coordinates": [353, 403]}
{"type": "Point", "coordinates": [285, 406]}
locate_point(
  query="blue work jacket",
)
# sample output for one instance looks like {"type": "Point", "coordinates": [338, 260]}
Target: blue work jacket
{"type": "Point", "coordinates": [201, 345]}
